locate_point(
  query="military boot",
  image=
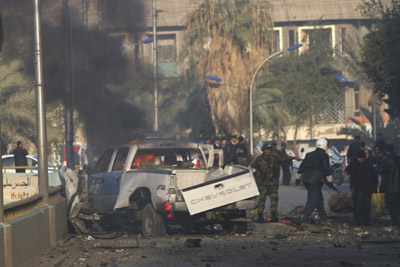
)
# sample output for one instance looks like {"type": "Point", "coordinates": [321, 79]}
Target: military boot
{"type": "Point", "coordinates": [274, 217]}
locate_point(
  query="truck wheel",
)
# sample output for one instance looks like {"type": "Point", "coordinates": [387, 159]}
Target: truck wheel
{"type": "Point", "coordinates": [337, 176]}
{"type": "Point", "coordinates": [153, 224]}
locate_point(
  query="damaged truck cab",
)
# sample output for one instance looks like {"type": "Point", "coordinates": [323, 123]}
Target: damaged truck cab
{"type": "Point", "coordinates": [163, 182]}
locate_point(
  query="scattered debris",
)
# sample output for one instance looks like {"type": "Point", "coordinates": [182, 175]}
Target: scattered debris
{"type": "Point", "coordinates": [341, 202]}
{"type": "Point", "coordinates": [273, 230]}
{"type": "Point", "coordinates": [193, 242]}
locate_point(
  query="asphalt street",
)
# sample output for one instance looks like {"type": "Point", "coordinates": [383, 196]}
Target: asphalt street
{"type": "Point", "coordinates": [292, 195]}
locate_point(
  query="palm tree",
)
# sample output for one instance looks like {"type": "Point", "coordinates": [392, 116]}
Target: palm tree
{"type": "Point", "coordinates": [228, 39]}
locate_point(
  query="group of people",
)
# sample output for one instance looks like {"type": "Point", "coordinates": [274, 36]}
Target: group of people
{"type": "Point", "coordinates": [364, 169]}
{"type": "Point", "coordinates": [314, 171]}
{"type": "Point", "coordinates": [236, 150]}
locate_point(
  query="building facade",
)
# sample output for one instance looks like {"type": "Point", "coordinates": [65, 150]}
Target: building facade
{"type": "Point", "coordinates": [293, 20]}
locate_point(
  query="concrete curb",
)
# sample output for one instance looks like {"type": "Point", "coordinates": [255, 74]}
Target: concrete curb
{"type": "Point", "coordinates": [26, 236]}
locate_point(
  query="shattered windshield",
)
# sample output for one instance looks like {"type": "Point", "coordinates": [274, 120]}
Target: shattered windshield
{"type": "Point", "coordinates": [180, 158]}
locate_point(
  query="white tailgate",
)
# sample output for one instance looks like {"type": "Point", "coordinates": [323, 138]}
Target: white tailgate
{"type": "Point", "coordinates": [220, 192]}
{"type": "Point", "coordinates": [187, 178]}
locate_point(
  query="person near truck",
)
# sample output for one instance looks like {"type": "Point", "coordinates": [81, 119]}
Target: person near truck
{"type": "Point", "coordinates": [286, 174]}
{"type": "Point", "coordinates": [20, 154]}
{"type": "Point", "coordinates": [230, 155]}
{"type": "Point", "coordinates": [265, 167]}
{"type": "Point", "coordinates": [353, 149]}
{"type": "Point", "coordinates": [390, 170]}
{"type": "Point", "coordinates": [243, 152]}
{"type": "Point", "coordinates": [315, 171]}
{"type": "Point", "coordinates": [363, 182]}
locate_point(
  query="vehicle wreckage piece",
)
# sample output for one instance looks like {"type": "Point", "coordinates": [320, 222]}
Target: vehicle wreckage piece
{"type": "Point", "coordinates": [160, 182]}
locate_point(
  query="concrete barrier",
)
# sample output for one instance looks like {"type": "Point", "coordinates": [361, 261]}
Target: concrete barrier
{"type": "Point", "coordinates": [25, 237]}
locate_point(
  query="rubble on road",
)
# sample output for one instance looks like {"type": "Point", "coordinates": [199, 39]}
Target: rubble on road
{"type": "Point", "coordinates": [341, 202]}
{"type": "Point", "coordinates": [273, 230]}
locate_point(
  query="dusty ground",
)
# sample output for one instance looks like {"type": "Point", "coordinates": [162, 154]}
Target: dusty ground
{"type": "Point", "coordinates": [267, 244]}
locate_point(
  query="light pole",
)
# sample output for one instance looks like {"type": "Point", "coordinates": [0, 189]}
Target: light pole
{"type": "Point", "coordinates": [155, 67]}
{"type": "Point", "coordinates": [293, 47]}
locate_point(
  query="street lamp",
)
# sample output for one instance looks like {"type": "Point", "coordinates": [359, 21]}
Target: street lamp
{"type": "Point", "coordinates": [293, 47]}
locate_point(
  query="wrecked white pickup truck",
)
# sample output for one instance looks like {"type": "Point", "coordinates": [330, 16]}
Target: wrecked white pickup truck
{"type": "Point", "coordinates": [163, 182]}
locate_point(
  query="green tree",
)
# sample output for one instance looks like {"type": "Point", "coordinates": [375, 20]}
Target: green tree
{"type": "Point", "coordinates": [381, 50]}
{"type": "Point", "coordinates": [306, 81]}
{"type": "Point", "coordinates": [228, 39]}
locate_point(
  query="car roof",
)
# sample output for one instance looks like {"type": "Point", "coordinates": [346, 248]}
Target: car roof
{"type": "Point", "coordinates": [162, 143]}
{"type": "Point", "coordinates": [12, 155]}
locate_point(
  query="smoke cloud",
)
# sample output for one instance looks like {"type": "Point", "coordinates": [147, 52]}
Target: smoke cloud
{"type": "Point", "coordinates": [104, 83]}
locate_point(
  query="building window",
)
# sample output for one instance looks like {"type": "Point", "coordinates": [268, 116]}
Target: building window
{"type": "Point", "coordinates": [277, 41]}
{"type": "Point", "coordinates": [343, 41]}
{"type": "Point", "coordinates": [356, 101]}
{"type": "Point", "coordinates": [292, 38]}
{"type": "Point", "coordinates": [166, 53]}
{"type": "Point", "coordinates": [334, 112]}
{"type": "Point", "coordinates": [322, 35]}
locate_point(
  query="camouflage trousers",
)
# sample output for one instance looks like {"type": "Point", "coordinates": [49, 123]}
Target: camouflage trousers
{"type": "Point", "coordinates": [272, 193]}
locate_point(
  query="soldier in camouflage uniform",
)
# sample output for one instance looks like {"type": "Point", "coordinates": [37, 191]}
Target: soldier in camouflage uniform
{"type": "Point", "coordinates": [265, 167]}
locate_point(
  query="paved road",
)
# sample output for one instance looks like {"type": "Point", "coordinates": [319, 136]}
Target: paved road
{"type": "Point", "coordinates": [292, 196]}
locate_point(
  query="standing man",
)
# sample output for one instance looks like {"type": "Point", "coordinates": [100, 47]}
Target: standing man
{"type": "Point", "coordinates": [379, 143]}
{"type": "Point", "coordinates": [363, 182]}
{"type": "Point", "coordinates": [265, 167]}
{"type": "Point", "coordinates": [390, 170]}
{"type": "Point", "coordinates": [230, 156]}
{"type": "Point", "coordinates": [217, 142]}
{"type": "Point", "coordinates": [20, 156]}
{"type": "Point", "coordinates": [286, 174]}
{"type": "Point", "coordinates": [275, 151]}
{"type": "Point", "coordinates": [353, 149]}
{"type": "Point", "coordinates": [243, 152]}
{"type": "Point", "coordinates": [207, 140]}
{"type": "Point", "coordinates": [315, 170]}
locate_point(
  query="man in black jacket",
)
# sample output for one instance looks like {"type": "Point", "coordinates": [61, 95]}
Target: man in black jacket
{"type": "Point", "coordinates": [390, 170]}
{"type": "Point", "coordinates": [230, 155]}
{"type": "Point", "coordinates": [363, 182]}
{"type": "Point", "coordinates": [315, 169]}
{"type": "Point", "coordinates": [20, 156]}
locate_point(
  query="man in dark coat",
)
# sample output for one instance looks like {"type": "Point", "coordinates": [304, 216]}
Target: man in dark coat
{"type": "Point", "coordinates": [363, 182]}
{"type": "Point", "coordinates": [230, 155]}
{"type": "Point", "coordinates": [390, 170]}
{"type": "Point", "coordinates": [353, 149]}
{"type": "Point", "coordinates": [265, 167]}
{"type": "Point", "coordinates": [20, 156]}
{"type": "Point", "coordinates": [243, 152]}
{"type": "Point", "coordinates": [315, 170]}
{"type": "Point", "coordinates": [286, 174]}
{"type": "Point", "coordinates": [379, 142]}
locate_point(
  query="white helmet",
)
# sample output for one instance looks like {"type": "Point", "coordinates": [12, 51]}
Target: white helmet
{"type": "Point", "coordinates": [322, 143]}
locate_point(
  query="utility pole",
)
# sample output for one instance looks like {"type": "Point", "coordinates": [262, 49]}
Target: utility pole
{"type": "Point", "coordinates": [1, 167]}
{"type": "Point", "coordinates": [68, 105]}
{"type": "Point", "coordinates": [155, 67]}
{"type": "Point", "coordinates": [40, 108]}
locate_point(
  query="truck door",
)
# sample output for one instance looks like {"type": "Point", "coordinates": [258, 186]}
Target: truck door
{"type": "Point", "coordinates": [113, 179]}
{"type": "Point", "coordinates": [96, 179]}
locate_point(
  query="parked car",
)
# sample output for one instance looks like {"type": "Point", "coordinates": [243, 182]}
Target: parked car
{"type": "Point", "coordinates": [8, 164]}
{"type": "Point", "coordinates": [161, 182]}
